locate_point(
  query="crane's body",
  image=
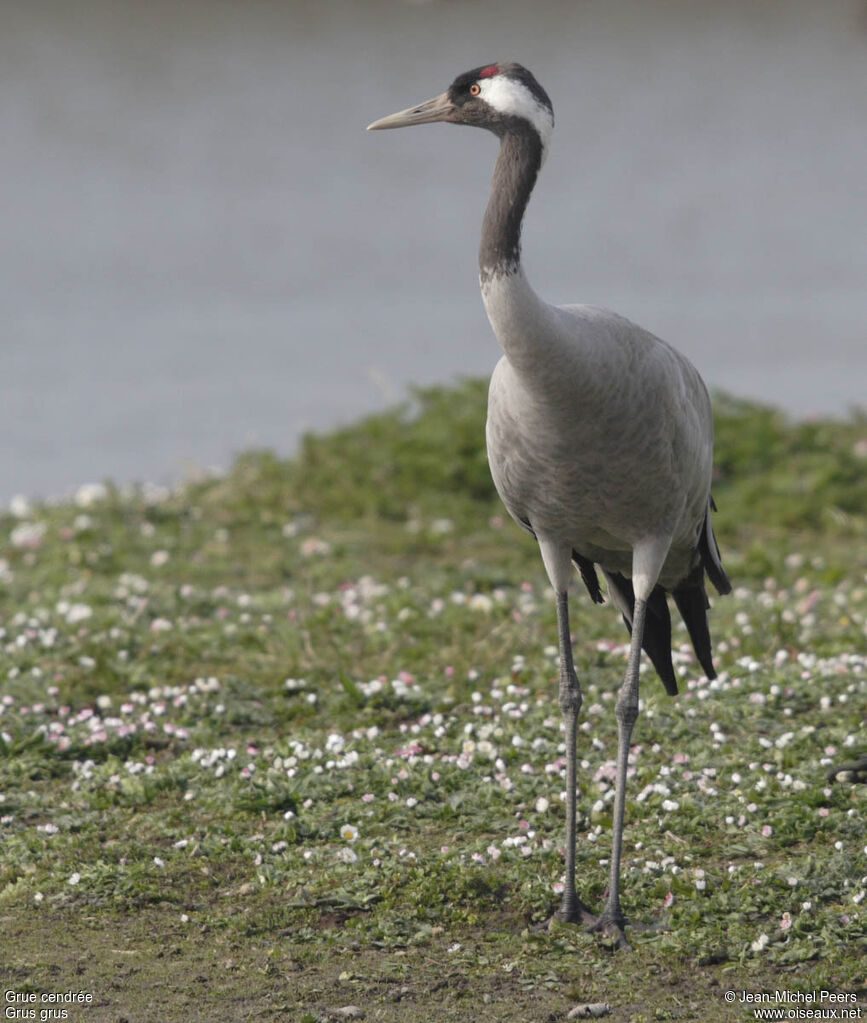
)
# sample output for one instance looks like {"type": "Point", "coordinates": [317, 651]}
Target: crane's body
{"type": "Point", "coordinates": [599, 437]}
{"type": "Point", "coordinates": [607, 388]}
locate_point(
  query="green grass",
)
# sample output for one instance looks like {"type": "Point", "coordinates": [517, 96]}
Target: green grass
{"type": "Point", "coordinates": [287, 740]}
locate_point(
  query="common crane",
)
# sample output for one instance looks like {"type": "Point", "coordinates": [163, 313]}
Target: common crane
{"type": "Point", "coordinates": [600, 443]}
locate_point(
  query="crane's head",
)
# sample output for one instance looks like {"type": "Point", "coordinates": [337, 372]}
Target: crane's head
{"type": "Point", "coordinates": [500, 97]}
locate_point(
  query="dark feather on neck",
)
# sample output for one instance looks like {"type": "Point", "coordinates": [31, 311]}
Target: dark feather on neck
{"type": "Point", "coordinates": [514, 177]}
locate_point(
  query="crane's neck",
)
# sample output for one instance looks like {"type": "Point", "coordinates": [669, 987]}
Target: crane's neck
{"type": "Point", "coordinates": [521, 321]}
{"type": "Point", "coordinates": [514, 177]}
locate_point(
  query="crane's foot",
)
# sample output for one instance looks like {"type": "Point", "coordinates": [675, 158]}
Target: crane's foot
{"type": "Point", "coordinates": [613, 926]}
{"type": "Point", "coordinates": [573, 911]}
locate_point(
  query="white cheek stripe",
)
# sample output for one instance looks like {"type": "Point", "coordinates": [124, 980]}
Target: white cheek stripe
{"type": "Point", "coordinates": [515, 99]}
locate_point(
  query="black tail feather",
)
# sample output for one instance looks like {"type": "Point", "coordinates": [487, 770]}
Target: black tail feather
{"type": "Point", "coordinates": [711, 559]}
{"type": "Point", "coordinates": [691, 599]}
{"type": "Point", "coordinates": [690, 596]}
{"type": "Point", "coordinates": [588, 574]}
{"type": "Point", "coordinates": [657, 625]}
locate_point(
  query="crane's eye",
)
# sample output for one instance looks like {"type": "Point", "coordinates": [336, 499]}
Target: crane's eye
{"type": "Point", "coordinates": [475, 89]}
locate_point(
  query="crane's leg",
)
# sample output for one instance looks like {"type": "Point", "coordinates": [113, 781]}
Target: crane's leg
{"type": "Point", "coordinates": [573, 909]}
{"type": "Point", "coordinates": [647, 562]}
{"type": "Point", "coordinates": [612, 921]}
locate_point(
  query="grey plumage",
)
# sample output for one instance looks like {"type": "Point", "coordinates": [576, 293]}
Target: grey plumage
{"type": "Point", "coordinates": [599, 437]}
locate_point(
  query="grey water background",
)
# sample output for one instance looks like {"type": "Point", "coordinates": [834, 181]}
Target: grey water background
{"type": "Point", "coordinates": [203, 250]}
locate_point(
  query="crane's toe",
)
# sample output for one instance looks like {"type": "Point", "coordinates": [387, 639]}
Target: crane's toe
{"type": "Point", "coordinates": [575, 912]}
{"type": "Point", "coordinates": [614, 928]}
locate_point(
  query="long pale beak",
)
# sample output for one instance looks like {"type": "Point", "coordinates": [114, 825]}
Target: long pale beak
{"type": "Point", "coordinates": [440, 108]}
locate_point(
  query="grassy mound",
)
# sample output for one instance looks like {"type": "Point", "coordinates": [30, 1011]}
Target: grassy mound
{"type": "Point", "coordinates": [287, 740]}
